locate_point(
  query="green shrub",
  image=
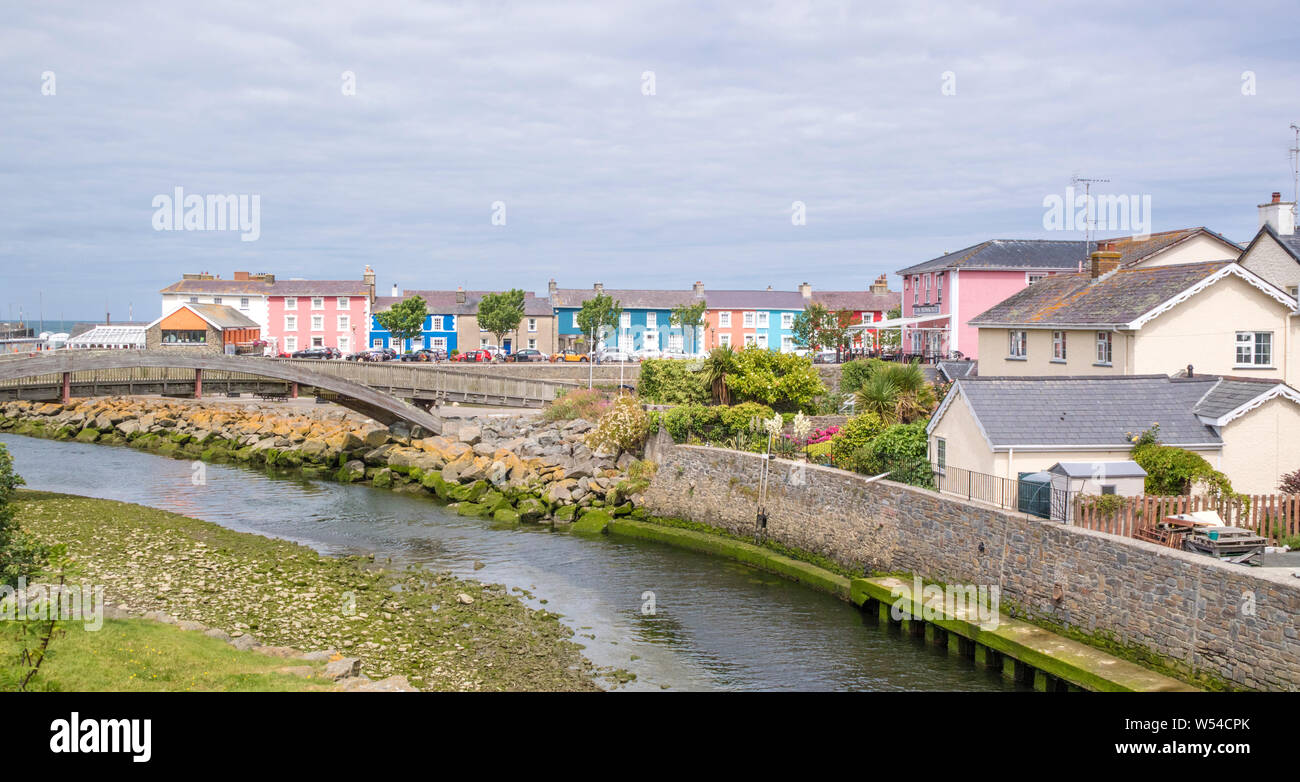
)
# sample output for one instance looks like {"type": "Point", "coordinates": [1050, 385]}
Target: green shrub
{"type": "Point", "coordinates": [589, 404]}
{"type": "Point", "coordinates": [666, 381]}
{"type": "Point", "coordinates": [855, 373]}
{"type": "Point", "coordinates": [782, 381]}
{"type": "Point", "coordinates": [856, 434]}
{"type": "Point", "coordinates": [1177, 471]}
{"type": "Point", "coordinates": [714, 424]}
{"type": "Point", "coordinates": [21, 556]}
{"type": "Point", "coordinates": [623, 427]}
{"type": "Point", "coordinates": [902, 451]}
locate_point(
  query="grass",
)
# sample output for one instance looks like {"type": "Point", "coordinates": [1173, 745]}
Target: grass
{"type": "Point", "coordinates": [138, 655]}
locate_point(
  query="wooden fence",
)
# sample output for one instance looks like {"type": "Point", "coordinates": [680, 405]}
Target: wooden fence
{"type": "Point", "coordinates": [1272, 516]}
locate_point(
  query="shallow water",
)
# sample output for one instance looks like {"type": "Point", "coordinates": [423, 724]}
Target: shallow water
{"type": "Point", "coordinates": [717, 625]}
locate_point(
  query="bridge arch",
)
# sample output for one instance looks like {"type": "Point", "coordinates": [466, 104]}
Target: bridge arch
{"type": "Point", "coordinates": [382, 407]}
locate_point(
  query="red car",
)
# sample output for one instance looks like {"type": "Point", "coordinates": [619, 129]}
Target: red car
{"type": "Point", "coordinates": [483, 356]}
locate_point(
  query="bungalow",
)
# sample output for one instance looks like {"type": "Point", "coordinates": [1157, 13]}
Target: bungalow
{"type": "Point", "coordinates": [203, 328]}
{"type": "Point", "coordinates": [1218, 317]}
{"type": "Point", "coordinates": [1248, 428]}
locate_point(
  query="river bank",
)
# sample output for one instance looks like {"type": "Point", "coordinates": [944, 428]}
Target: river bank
{"type": "Point", "coordinates": [438, 631]}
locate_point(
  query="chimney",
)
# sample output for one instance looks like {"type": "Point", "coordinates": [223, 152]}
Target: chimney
{"type": "Point", "coordinates": [241, 276]}
{"type": "Point", "coordinates": [1189, 371]}
{"type": "Point", "coordinates": [1278, 215]}
{"type": "Point", "coordinates": [881, 285]}
{"type": "Point", "coordinates": [1104, 261]}
{"type": "Point", "coordinates": [805, 290]}
{"type": "Point", "coordinates": [698, 288]}
{"type": "Point", "coordinates": [368, 277]}
{"type": "Point", "coordinates": [551, 288]}
{"type": "Point", "coordinates": [396, 291]}
{"type": "Point", "coordinates": [599, 287]}
{"type": "Point", "coordinates": [460, 295]}
{"type": "Point", "coordinates": [769, 287]}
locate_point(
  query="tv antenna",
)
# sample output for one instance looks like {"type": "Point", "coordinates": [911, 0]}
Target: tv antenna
{"type": "Point", "coordinates": [1087, 204]}
{"type": "Point", "coordinates": [1295, 168]}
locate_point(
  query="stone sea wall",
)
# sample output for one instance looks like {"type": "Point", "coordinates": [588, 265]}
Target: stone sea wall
{"type": "Point", "coordinates": [1207, 619]}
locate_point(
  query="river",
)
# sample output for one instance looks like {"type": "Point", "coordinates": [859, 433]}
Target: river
{"type": "Point", "coordinates": [717, 625]}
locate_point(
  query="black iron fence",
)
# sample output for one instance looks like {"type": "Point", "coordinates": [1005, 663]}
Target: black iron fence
{"type": "Point", "coordinates": [1032, 497]}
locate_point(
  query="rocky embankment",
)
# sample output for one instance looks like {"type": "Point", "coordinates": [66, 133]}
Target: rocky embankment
{"type": "Point", "coordinates": [509, 468]}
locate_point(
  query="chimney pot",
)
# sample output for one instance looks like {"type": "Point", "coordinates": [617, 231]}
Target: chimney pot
{"type": "Point", "coordinates": [396, 291]}
{"type": "Point", "coordinates": [1189, 370]}
{"type": "Point", "coordinates": [1277, 197]}
{"type": "Point", "coordinates": [1278, 215]}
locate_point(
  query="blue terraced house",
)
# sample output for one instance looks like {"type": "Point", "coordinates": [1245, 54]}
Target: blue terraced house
{"type": "Point", "coordinates": [646, 321]}
{"type": "Point", "coordinates": [439, 327]}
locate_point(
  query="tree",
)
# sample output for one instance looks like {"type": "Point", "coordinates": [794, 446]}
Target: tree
{"type": "Point", "coordinates": [817, 327]}
{"type": "Point", "coordinates": [690, 317]}
{"type": "Point", "coordinates": [597, 314]}
{"type": "Point", "coordinates": [404, 320]}
{"type": "Point", "coordinates": [499, 313]}
{"type": "Point", "coordinates": [717, 367]}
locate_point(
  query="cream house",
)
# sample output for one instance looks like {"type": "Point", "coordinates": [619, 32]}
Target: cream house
{"type": "Point", "coordinates": [1218, 317]}
{"type": "Point", "coordinates": [1274, 253]}
{"type": "Point", "coordinates": [1008, 427]}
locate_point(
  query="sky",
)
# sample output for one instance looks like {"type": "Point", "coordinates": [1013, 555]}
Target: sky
{"type": "Point", "coordinates": [499, 144]}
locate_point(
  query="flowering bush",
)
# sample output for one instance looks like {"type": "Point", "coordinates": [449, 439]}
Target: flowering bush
{"type": "Point", "coordinates": [623, 427]}
{"type": "Point", "coordinates": [587, 403]}
{"type": "Point", "coordinates": [822, 435]}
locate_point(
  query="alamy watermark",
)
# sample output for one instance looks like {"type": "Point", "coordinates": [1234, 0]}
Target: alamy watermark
{"type": "Point", "coordinates": [213, 212]}
{"type": "Point", "coordinates": [1107, 212]}
{"type": "Point", "coordinates": [978, 603]}
{"type": "Point", "coordinates": [50, 602]}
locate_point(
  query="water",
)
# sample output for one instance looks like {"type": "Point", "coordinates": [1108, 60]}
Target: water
{"type": "Point", "coordinates": [717, 626]}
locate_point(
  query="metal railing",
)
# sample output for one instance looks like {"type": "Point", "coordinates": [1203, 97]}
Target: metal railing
{"type": "Point", "coordinates": [1031, 497]}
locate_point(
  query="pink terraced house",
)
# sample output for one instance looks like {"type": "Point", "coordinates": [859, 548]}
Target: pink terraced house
{"type": "Point", "coordinates": [942, 295]}
{"type": "Point", "coordinates": [319, 313]}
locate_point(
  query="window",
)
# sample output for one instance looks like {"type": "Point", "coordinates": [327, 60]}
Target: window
{"type": "Point", "coordinates": [243, 302]}
{"type": "Point", "coordinates": [317, 322]}
{"type": "Point", "coordinates": [927, 289]}
{"type": "Point", "coordinates": [748, 320]}
{"type": "Point", "coordinates": [1254, 348]}
{"type": "Point", "coordinates": [1104, 347]}
{"type": "Point", "coordinates": [438, 343]}
{"type": "Point", "coordinates": [724, 320]}
{"type": "Point", "coordinates": [482, 343]}
{"type": "Point", "coordinates": [763, 320]}
{"type": "Point", "coordinates": [1058, 345]}
{"type": "Point", "coordinates": [344, 345]}
{"type": "Point", "coordinates": [216, 299]}
{"type": "Point", "coordinates": [1294, 292]}
{"type": "Point", "coordinates": [290, 322]}
{"type": "Point", "coordinates": [787, 343]}
{"type": "Point", "coordinates": [194, 300]}
{"type": "Point", "coordinates": [675, 342]}
{"type": "Point", "coordinates": [318, 302]}
{"type": "Point", "coordinates": [625, 320]}
{"type": "Point", "coordinates": [916, 293]}
{"type": "Point", "coordinates": [1108, 488]}
{"type": "Point", "coordinates": [1033, 278]}
{"type": "Point", "coordinates": [435, 323]}
{"type": "Point", "coordinates": [787, 320]}
{"type": "Point", "coordinates": [941, 453]}
{"type": "Point", "coordinates": [318, 342]}
{"type": "Point", "coordinates": [290, 344]}
{"type": "Point", "coordinates": [532, 343]}
{"type": "Point", "coordinates": [651, 320]}
{"type": "Point", "coordinates": [938, 288]}
{"type": "Point", "coordinates": [575, 320]}
{"type": "Point", "coordinates": [724, 340]}
{"type": "Point", "coordinates": [184, 337]}
{"type": "Point", "coordinates": [377, 342]}
{"type": "Point", "coordinates": [749, 340]}
{"type": "Point", "coordinates": [343, 302]}
{"type": "Point", "coordinates": [291, 302]}
{"type": "Point", "coordinates": [1016, 347]}
{"type": "Point", "coordinates": [532, 324]}
{"type": "Point", "coordinates": [762, 340]}
{"type": "Point", "coordinates": [344, 322]}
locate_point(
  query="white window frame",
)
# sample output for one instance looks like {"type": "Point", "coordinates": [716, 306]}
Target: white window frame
{"type": "Point", "coordinates": [377, 342]}
{"type": "Point", "coordinates": [941, 454]}
{"type": "Point", "coordinates": [532, 343]}
{"type": "Point", "coordinates": [1255, 358]}
{"type": "Point", "coordinates": [532, 325]}
{"type": "Point", "coordinates": [216, 299]}
{"type": "Point", "coordinates": [750, 340]}
{"type": "Point", "coordinates": [724, 320]}
{"type": "Point", "coordinates": [345, 344]}
{"type": "Point", "coordinates": [1059, 346]}
{"type": "Point", "coordinates": [762, 340]}
{"type": "Point", "coordinates": [575, 319]}
{"type": "Point", "coordinates": [787, 320]}
{"type": "Point", "coordinates": [343, 303]}
{"type": "Point", "coordinates": [291, 302]}
{"type": "Point", "coordinates": [243, 302]}
{"type": "Point", "coordinates": [344, 322]}
{"type": "Point", "coordinates": [317, 322]}
{"type": "Point", "coordinates": [318, 302]}
{"type": "Point", "coordinates": [1017, 343]}
{"type": "Point", "coordinates": [625, 320]}
{"type": "Point", "coordinates": [1105, 349]}
{"type": "Point", "coordinates": [435, 323]}
{"type": "Point", "coordinates": [290, 322]}
{"type": "Point", "coordinates": [938, 288]}
{"type": "Point", "coordinates": [787, 343]}
{"type": "Point", "coordinates": [764, 319]}
{"type": "Point", "coordinates": [1033, 277]}
{"type": "Point", "coordinates": [724, 340]}
{"type": "Point", "coordinates": [747, 319]}
{"type": "Point", "coordinates": [652, 320]}
{"type": "Point", "coordinates": [318, 342]}
{"type": "Point", "coordinates": [290, 344]}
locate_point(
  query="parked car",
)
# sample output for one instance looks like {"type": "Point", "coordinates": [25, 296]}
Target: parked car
{"type": "Point", "coordinates": [648, 352]}
{"type": "Point", "coordinates": [360, 355]}
{"type": "Point", "coordinates": [527, 354]}
{"type": "Point", "coordinates": [675, 354]}
{"type": "Point", "coordinates": [375, 354]}
{"type": "Point", "coordinates": [425, 354]}
{"type": "Point", "coordinates": [319, 352]}
{"type": "Point", "coordinates": [480, 356]}
{"type": "Point", "coordinates": [613, 355]}
{"type": "Point", "coordinates": [569, 355]}
{"type": "Point", "coordinates": [826, 357]}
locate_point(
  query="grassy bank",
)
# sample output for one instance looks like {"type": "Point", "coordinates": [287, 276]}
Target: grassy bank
{"type": "Point", "coordinates": [138, 655]}
{"type": "Point", "coordinates": [441, 632]}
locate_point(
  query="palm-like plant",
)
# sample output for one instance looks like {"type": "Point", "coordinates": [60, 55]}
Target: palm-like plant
{"type": "Point", "coordinates": [898, 393]}
{"type": "Point", "coordinates": [720, 363]}
{"type": "Point", "coordinates": [882, 396]}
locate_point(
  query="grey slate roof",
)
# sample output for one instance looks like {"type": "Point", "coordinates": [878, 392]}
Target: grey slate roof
{"type": "Point", "coordinates": [755, 300]}
{"type": "Point", "coordinates": [1100, 410]}
{"type": "Point", "coordinates": [445, 303]}
{"type": "Point", "coordinates": [1124, 469]}
{"type": "Point", "coordinates": [955, 369]}
{"type": "Point", "coordinates": [629, 298]}
{"type": "Point", "coordinates": [1230, 393]}
{"type": "Point", "coordinates": [1114, 299]}
{"type": "Point", "coordinates": [1049, 254]}
{"type": "Point", "coordinates": [858, 301]}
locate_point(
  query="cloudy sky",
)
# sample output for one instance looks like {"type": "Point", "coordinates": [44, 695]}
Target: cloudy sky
{"type": "Point", "coordinates": [543, 107]}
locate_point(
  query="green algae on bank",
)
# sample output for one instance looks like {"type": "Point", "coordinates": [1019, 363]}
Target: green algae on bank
{"type": "Point", "coordinates": [441, 632]}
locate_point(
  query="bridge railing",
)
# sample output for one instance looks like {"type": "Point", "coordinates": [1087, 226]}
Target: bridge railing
{"type": "Point", "coordinates": [437, 379]}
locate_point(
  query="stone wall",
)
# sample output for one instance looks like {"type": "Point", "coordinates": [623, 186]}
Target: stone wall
{"type": "Point", "coordinates": [1232, 622]}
